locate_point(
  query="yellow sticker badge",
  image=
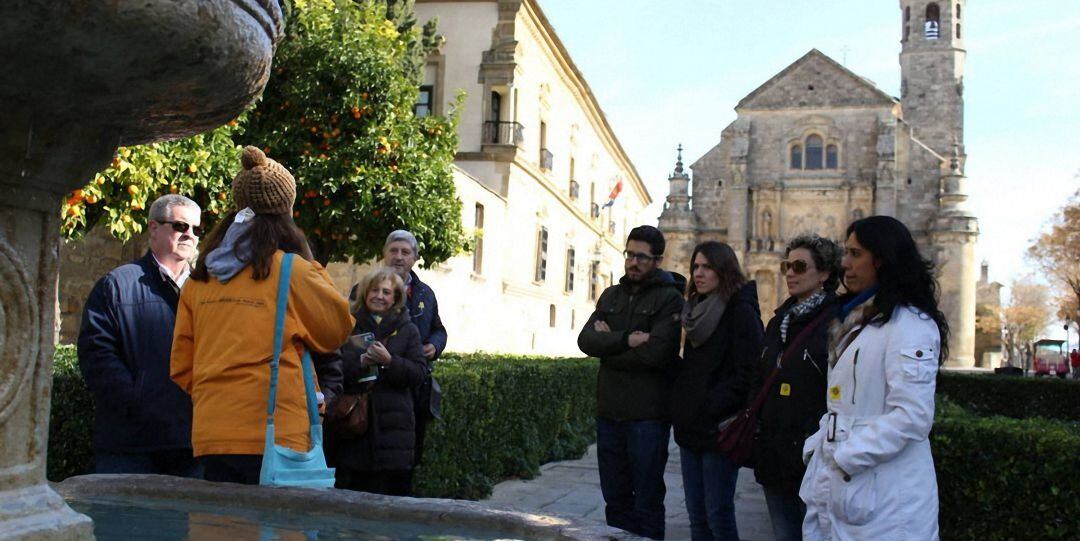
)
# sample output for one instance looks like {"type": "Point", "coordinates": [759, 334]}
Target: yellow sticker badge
{"type": "Point", "coordinates": [421, 305]}
{"type": "Point", "coordinates": [785, 389]}
{"type": "Point", "coordinates": [834, 392]}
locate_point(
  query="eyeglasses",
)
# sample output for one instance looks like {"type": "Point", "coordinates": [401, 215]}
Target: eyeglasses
{"type": "Point", "coordinates": [641, 257]}
{"type": "Point", "coordinates": [798, 266]}
{"type": "Point", "coordinates": [183, 227]}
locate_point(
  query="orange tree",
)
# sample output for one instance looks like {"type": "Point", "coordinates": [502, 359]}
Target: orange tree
{"type": "Point", "coordinates": [338, 113]}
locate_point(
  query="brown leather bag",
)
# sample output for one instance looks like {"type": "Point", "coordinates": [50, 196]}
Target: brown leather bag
{"type": "Point", "coordinates": [348, 419]}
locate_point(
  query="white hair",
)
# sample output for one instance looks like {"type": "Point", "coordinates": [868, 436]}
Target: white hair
{"type": "Point", "coordinates": [402, 235]}
{"type": "Point", "coordinates": [159, 209]}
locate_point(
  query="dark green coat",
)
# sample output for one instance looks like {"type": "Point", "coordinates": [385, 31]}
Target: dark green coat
{"type": "Point", "coordinates": [633, 383]}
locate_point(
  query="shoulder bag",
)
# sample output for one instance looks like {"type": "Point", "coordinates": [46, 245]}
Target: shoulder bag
{"type": "Point", "coordinates": [281, 466]}
{"type": "Point", "coordinates": [736, 438]}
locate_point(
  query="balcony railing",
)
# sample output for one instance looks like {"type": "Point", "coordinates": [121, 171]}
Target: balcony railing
{"type": "Point", "coordinates": [547, 159]}
{"type": "Point", "coordinates": [503, 133]}
{"type": "Point", "coordinates": [575, 189]}
{"type": "Point", "coordinates": [594, 210]}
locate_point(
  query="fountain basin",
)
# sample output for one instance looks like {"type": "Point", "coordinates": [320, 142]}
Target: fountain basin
{"type": "Point", "coordinates": [231, 511]}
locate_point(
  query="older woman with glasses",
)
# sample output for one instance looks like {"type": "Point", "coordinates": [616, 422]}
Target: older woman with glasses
{"type": "Point", "coordinates": [796, 339]}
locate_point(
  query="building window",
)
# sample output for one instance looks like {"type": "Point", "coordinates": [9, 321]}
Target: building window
{"type": "Point", "coordinates": [958, 11]}
{"type": "Point", "coordinates": [796, 157]}
{"type": "Point", "coordinates": [496, 106]}
{"type": "Point", "coordinates": [957, 30]}
{"type": "Point", "coordinates": [813, 152]}
{"type": "Point", "coordinates": [575, 188]}
{"type": "Point", "coordinates": [424, 101]}
{"type": "Point", "coordinates": [594, 280]}
{"type": "Point", "coordinates": [551, 315]}
{"type": "Point", "coordinates": [907, 32]}
{"type": "Point", "coordinates": [907, 14]}
{"type": "Point", "coordinates": [932, 26]}
{"type": "Point", "coordinates": [541, 255]}
{"type": "Point", "coordinates": [568, 283]}
{"type": "Point", "coordinates": [831, 157]}
{"type": "Point", "coordinates": [478, 240]}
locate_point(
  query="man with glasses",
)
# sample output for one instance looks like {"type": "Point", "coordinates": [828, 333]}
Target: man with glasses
{"type": "Point", "coordinates": [635, 333]}
{"type": "Point", "coordinates": [142, 420]}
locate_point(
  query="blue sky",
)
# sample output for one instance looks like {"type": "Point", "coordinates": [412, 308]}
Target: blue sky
{"type": "Point", "coordinates": [670, 72]}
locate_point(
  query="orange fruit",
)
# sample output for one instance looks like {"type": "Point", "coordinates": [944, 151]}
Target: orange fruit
{"type": "Point", "coordinates": [133, 189]}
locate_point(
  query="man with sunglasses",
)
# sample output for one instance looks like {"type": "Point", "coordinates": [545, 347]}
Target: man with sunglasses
{"type": "Point", "coordinates": [142, 420]}
{"type": "Point", "coordinates": [635, 332]}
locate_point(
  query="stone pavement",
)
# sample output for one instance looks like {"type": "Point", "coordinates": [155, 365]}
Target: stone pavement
{"type": "Point", "coordinates": [571, 489]}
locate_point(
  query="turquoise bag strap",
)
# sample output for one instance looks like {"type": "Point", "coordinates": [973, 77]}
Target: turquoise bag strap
{"type": "Point", "coordinates": [279, 335]}
{"type": "Point", "coordinates": [279, 332]}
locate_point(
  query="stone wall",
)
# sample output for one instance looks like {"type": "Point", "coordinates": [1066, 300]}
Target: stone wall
{"type": "Point", "coordinates": [82, 264]}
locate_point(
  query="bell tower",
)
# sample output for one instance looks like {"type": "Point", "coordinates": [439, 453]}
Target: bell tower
{"type": "Point", "coordinates": [932, 71]}
{"type": "Point", "coordinates": [932, 100]}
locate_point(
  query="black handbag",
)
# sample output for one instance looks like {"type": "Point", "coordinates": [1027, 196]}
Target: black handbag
{"type": "Point", "coordinates": [736, 439]}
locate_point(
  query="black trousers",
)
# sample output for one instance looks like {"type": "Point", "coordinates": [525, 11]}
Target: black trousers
{"type": "Point", "coordinates": [243, 469]}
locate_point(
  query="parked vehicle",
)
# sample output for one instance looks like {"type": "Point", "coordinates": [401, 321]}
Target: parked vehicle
{"type": "Point", "coordinates": [1049, 358]}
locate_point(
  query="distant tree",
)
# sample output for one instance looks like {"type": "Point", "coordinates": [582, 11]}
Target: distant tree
{"type": "Point", "coordinates": [1057, 253]}
{"type": "Point", "coordinates": [1021, 321]}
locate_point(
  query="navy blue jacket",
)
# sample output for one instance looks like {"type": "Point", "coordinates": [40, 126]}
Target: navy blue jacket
{"type": "Point", "coordinates": [424, 310]}
{"type": "Point", "coordinates": [124, 346]}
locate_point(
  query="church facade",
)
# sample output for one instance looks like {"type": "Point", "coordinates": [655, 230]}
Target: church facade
{"type": "Point", "coordinates": [817, 146]}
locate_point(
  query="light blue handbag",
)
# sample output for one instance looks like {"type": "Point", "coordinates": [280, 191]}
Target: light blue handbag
{"type": "Point", "coordinates": [281, 466]}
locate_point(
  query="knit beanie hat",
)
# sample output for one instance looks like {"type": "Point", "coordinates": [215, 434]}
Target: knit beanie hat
{"type": "Point", "coordinates": [263, 184]}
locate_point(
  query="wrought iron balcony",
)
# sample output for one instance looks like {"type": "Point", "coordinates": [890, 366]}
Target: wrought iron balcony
{"type": "Point", "coordinates": [575, 189]}
{"type": "Point", "coordinates": [503, 133]}
{"type": "Point", "coordinates": [594, 210]}
{"type": "Point", "coordinates": [547, 159]}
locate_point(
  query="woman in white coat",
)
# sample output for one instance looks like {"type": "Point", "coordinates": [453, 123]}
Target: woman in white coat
{"type": "Point", "coordinates": [870, 473]}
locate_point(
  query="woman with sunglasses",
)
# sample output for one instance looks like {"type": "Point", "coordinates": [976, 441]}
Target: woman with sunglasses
{"type": "Point", "coordinates": [870, 473]}
{"type": "Point", "coordinates": [798, 333]}
{"type": "Point", "coordinates": [723, 340]}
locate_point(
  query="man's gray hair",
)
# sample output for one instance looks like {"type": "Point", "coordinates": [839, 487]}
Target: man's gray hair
{"type": "Point", "coordinates": [402, 235]}
{"type": "Point", "coordinates": [159, 209]}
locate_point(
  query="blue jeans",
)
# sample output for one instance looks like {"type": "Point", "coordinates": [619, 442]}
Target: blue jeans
{"type": "Point", "coordinates": [631, 456]}
{"type": "Point", "coordinates": [786, 512]}
{"type": "Point", "coordinates": [709, 483]}
{"type": "Point", "coordinates": [169, 462]}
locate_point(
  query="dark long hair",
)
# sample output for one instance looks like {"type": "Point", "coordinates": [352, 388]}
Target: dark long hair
{"type": "Point", "coordinates": [904, 276]}
{"type": "Point", "coordinates": [268, 234]}
{"type": "Point", "coordinates": [722, 259]}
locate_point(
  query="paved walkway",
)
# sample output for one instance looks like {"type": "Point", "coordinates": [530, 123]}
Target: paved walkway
{"type": "Point", "coordinates": [571, 489]}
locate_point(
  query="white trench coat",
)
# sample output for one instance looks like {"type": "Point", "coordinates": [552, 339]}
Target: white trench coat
{"type": "Point", "coordinates": [870, 474]}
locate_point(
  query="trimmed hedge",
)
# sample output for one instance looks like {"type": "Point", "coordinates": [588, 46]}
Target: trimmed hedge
{"type": "Point", "coordinates": [1005, 479]}
{"type": "Point", "coordinates": [503, 416]}
{"type": "Point", "coordinates": [1010, 396]}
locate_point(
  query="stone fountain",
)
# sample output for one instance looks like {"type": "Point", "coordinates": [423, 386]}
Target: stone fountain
{"type": "Point", "coordinates": [79, 80]}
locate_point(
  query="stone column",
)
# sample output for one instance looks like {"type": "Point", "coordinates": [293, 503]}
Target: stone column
{"type": "Point", "coordinates": [80, 78]}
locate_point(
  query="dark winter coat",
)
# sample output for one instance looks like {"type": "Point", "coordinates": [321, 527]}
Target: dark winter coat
{"type": "Point", "coordinates": [713, 380]}
{"type": "Point", "coordinates": [791, 413]}
{"type": "Point", "coordinates": [424, 311]}
{"type": "Point", "coordinates": [632, 384]}
{"type": "Point", "coordinates": [124, 346]}
{"type": "Point", "coordinates": [390, 439]}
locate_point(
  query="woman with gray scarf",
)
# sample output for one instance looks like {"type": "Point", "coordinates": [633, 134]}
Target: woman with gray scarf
{"type": "Point", "coordinates": [723, 341]}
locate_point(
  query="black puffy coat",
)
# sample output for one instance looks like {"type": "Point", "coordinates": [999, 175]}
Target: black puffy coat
{"type": "Point", "coordinates": [391, 436]}
{"type": "Point", "coordinates": [791, 412]}
{"type": "Point", "coordinates": [714, 379]}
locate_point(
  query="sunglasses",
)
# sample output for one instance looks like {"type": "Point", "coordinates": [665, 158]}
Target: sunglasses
{"type": "Point", "coordinates": [798, 266]}
{"type": "Point", "coordinates": [641, 257]}
{"type": "Point", "coordinates": [183, 227]}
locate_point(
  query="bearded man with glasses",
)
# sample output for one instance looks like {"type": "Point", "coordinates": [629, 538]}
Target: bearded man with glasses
{"type": "Point", "coordinates": [635, 333]}
{"type": "Point", "coordinates": [142, 420]}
